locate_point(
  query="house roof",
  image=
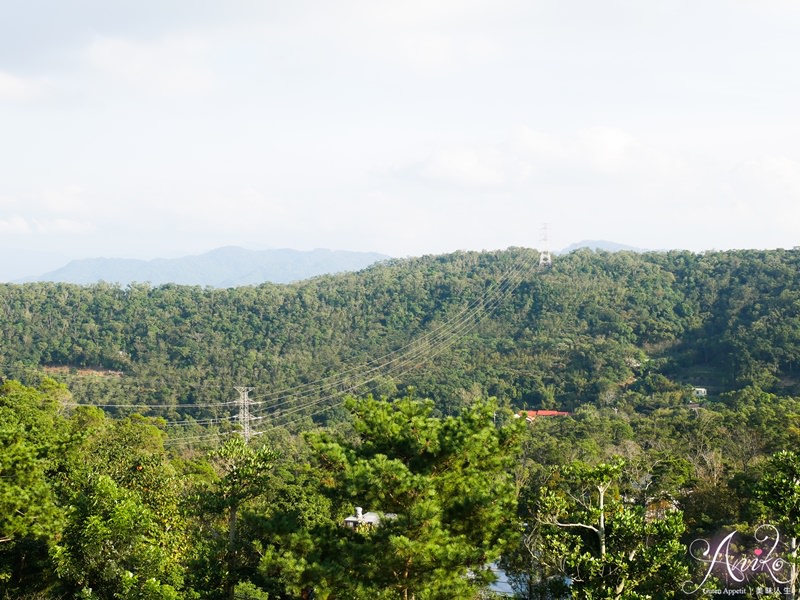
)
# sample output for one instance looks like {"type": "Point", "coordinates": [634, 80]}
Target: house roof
{"type": "Point", "coordinates": [366, 518]}
{"type": "Point", "coordinates": [531, 415]}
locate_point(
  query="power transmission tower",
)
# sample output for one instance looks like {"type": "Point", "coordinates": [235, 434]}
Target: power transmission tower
{"type": "Point", "coordinates": [244, 410]}
{"type": "Point", "coordinates": [545, 260]}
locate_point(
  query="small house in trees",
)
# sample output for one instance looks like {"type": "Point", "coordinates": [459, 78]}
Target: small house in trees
{"type": "Point", "coordinates": [657, 510]}
{"type": "Point", "coordinates": [366, 519]}
{"type": "Point", "coordinates": [532, 415]}
{"type": "Point", "coordinates": [699, 392]}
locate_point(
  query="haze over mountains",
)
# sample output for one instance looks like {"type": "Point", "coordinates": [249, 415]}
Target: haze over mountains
{"type": "Point", "coordinates": [225, 267]}
{"type": "Point", "coordinates": [601, 245]}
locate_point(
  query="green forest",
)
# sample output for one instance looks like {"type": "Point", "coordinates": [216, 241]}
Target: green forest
{"type": "Point", "coordinates": [165, 442]}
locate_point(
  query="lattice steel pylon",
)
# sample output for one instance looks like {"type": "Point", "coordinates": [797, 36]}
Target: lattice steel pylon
{"type": "Point", "coordinates": [545, 260]}
{"type": "Point", "coordinates": [244, 410]}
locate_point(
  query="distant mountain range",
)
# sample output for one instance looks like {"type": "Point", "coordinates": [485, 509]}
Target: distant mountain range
{"type": "Point", "coordinates": [230, 266]}
{"type": "Point", "coordinates": [222, 268]}
{"type": "Point", "coordinates": [600, 245]}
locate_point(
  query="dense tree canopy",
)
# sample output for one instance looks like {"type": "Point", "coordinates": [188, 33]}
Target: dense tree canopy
{"type": "Point", "coordinates": [595, 327]}
{"type": "Point", "coordinates": [122, 473]}
{"type": "Point", "coordinates": [444, 488]}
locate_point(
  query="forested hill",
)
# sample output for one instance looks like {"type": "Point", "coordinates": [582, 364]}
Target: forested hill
{"type": "Point", "coordinates": [608, 328]}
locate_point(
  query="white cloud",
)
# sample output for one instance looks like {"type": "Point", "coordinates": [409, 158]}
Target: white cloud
{"type": "Point", "coordinates": [62, 226]}
{"type": "Point", "coordinates": [173, 66]}
{"type": "Point", "coordinates": [17, 89]}
{"type": "Point", "coordinates": [778, 174]}
{"type": "Point", "coordinates": [424, 12]}
{"type": "Point", "coordinates": [56, 210]}
{"type": "Point", "coordinates": [607, 149]}
{"type": "Point", "coordinates": [429, 51]}
{"type": "Point", "coordinates": [766, 189]}
{"type": "Point", "coordinates": [24, 226]}
{"type": "Point", "coordinates": [463, 166]}
{"type": "Point", "coordinates": [432, 51]}
{"type": "Point", "coordinates": [66, 199]}
{"type": "Point", "coordinates": [409, 104]}
{"type": "Point", "coordinates": [426, 38]}
{"type": "Point", "coordinates": [593, 154]}
{"type": "Point", "coordinates": [601, 150]}
{"type": "Point", "coordinates": [245, 211]}
{"type": "Point", "coordinates": [15, 225]}
{"type": "Point", "coordinates": [7, 201]}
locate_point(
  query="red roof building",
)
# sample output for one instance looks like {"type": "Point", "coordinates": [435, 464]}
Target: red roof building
{"type": "Point", "coordinates": [532, 415]}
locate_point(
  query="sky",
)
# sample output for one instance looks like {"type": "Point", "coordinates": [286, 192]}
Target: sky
{"type": "Point", "coordinates": [165, 128]}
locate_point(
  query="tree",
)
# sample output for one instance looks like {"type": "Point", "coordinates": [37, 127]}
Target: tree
{"type": "Point", "coordinates": [124, 536]}
{"type": "Point", "coordinates": [28, 435]}
{"type": "Point", "coordinates": [112, 547]}
{"type": "Point", "coordinates": [242, 474]}
{"type": "Point", "coordinates": [31, 434]}
{"type": "Point", "coordinates": [779, 490]}
{"type": "Point", "coordinates": [602, 545]}
{"type": "Point", "coordinates": [443, 488]}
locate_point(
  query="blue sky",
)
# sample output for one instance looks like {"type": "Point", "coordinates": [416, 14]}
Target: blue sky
{"type": "Point", "coordinates": [144, 129]}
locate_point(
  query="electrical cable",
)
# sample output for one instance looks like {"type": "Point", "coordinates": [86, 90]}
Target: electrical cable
{"type": "Point", "coordinates": [179, 440]}
{"type": "Point", "coordinates": [474, 307]}
{"type": "Point", "coordinates": [165, 406]}
{"type": "Point", "coordinates": [438, 339]}
{"type": "Point", "coordinates": [419, 350]}
{"type": "Point", "coordinates": [455, 324]}
{"type": "Point", "coordinates": [456, 334]}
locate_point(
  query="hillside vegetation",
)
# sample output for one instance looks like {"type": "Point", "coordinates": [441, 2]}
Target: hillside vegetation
{"type": "Point", "coordinates": [395, 389]}
{"type": "Point", "coordinates": [598, 328]}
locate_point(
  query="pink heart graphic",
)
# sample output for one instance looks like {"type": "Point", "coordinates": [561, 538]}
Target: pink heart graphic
{"type": "Point", "coordinates": [757, 551]}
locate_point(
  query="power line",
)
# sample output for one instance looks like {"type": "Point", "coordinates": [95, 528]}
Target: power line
{"type": "Point", "coordinates": [456, 333]}
{"type": "Point", "coordinates": [213, 421]}
{"type": "Point", "coordinates": [422, 348]}
{"type": "Point", "coordinates": [416, 349]}
{"type": "Point", "coordinates": [466, 313]}
{"type": "Point", "coordinates": [439, 340]}
{"type": "Point", "coordinates": [164, 406]}
{"type": "Point", "coordinates": [208, 436]}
